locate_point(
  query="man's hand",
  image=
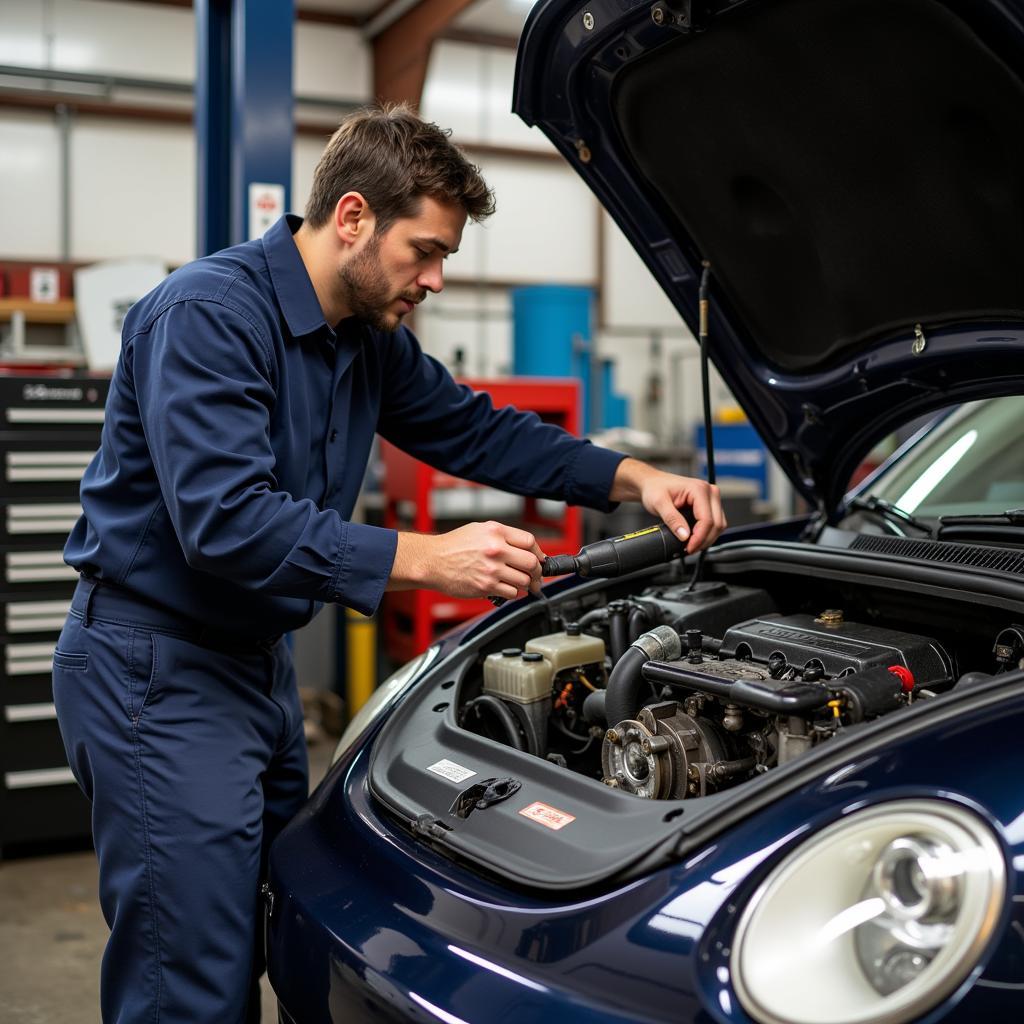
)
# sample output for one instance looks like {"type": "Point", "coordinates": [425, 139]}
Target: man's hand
{"type": "Point", "coordinates": [476, 560]}
{"type": "Point", "coordinates": [664, 494]}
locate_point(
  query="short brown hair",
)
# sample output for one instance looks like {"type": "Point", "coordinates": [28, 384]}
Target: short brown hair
{"type": "Point", "coordinates": [393, 158]}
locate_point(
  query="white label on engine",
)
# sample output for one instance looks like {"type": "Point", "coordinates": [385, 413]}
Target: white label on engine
{"type": "Point", "coordinates": [450, 770]}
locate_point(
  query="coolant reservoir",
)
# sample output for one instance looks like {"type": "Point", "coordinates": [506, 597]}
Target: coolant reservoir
{"type": "Point", "coordinates": [527, 676]}
{"type": "Point", "coordinates": [518, 676]}
{"type": "Point", "coordinates": [570, 649]}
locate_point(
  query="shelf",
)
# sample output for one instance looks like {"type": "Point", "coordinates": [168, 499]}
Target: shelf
{"type": "Point", "coordinates": [60, 312]}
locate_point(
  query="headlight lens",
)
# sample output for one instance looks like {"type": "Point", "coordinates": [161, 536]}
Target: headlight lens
{"type": "Point", "coordinates": [381, 697]}
{"type": "Point", "coordinates": [876, 919]}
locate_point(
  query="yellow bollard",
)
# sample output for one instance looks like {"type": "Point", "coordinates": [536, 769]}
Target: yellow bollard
{"type": "Point", "coordinates": [360, 658]}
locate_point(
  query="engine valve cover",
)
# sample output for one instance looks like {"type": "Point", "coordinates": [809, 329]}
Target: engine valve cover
{"type": "Point", "coordinates": [842, 648]}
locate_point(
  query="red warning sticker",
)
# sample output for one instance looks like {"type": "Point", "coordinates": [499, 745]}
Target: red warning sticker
{"type": "Point", "coordinates": [549, 817]}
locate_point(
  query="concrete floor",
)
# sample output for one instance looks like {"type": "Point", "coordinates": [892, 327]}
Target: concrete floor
{"type": "Point", "coordinates": [52, 934]}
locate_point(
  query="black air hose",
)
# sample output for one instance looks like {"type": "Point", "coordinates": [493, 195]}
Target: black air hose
{"type": "Point", "coordinates": [639, 620]}
{"type": "Point", "coordinates": [618, 630]}
{"type": "Point", "coordinates": [626, 683]}
{"type": "Point", "coordinates": [504, 717]}
{"type": "Point", "coordinates": [594, 615]}
{"type": "Point", "coordinates": [593, 707]}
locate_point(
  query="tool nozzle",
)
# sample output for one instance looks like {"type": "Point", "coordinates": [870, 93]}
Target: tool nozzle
{"type": "Point", "coordinates": [558, 565]}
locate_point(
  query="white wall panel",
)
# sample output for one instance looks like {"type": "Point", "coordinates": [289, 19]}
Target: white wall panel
{"type": "Point", "coordinates": [469, 90]}
{"type": "Point", "coordinates": [476, 320]}
{"type": "Point", "coordinates": [30, 196]}
{"type": "Point", "coordinates": [22, 33]}
{"type": "Point", "coordinates": [671, 358]}
{"type": "Point", "coordinates": [134, 39]}
{"type": "Point", "coordinates": [133, 190]}
{"type": "Point", "coordinates": [545, 229]}
{"type": "Point", "coordinates": [451, 93]}
{"type": "Point", "coordinates": [332, 61]}
{"type": "Point", "coordinates": [305, 154]}
{"type": "Point", "coordinates": [500, 126]}
{"type": "Point", "coordinates": [631, 295]}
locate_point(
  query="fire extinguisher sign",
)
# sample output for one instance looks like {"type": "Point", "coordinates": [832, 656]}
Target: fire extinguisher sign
{"type": "Point", "coordinates": [266, 205]}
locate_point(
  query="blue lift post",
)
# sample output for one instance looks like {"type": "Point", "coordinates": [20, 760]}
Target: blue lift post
{"type": "Point", "coordinates": [243, 112]}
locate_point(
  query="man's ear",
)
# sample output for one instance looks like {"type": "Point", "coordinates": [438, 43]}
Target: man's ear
{"type": "Point", "coordinates": [353, 218]}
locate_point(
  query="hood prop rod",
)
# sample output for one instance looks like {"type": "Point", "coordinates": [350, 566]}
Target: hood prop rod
{"type": "Point", "coordinates": [705, 383]}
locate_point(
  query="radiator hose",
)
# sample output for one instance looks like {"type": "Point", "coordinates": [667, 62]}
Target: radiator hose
{"type": "Point", "coordinates": [625, 684]}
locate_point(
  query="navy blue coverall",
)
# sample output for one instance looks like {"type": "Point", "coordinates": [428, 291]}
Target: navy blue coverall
{"type": "Point", "coordinates": [215, 519]}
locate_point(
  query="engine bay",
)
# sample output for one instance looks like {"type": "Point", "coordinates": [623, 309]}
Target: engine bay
{"type": "Point", "coordinates": [674, 692]}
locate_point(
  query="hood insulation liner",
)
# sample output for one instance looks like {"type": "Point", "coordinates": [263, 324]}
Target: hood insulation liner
{"type": "Point", "coordinates": [908, 207]}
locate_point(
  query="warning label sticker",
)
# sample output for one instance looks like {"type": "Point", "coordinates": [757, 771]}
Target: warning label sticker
{"type": "Point", "coordinates": [549, 817]}
{"type": "Point", "coordinates": [450, 770]}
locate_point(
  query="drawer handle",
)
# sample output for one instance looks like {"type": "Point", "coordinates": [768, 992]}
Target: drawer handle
{"type": "Point", "coordinates": [30, 712]}
{"type": "Point", "coordinates": [39, 777]}
{"type": "Point", "coordinates": [54, 415]}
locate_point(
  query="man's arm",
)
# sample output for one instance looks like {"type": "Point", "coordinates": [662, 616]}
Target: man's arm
{"type": "Point", "coordinates": [476, 560]}
{"type": "Point", "coordinates": [429, 415]}
{"type": "Point", "coordinates": [665, 494]}
{"type": "Point", "coordinates": [490, 559]}
{"type": "Point", "coordinates": [445, 424]}
{"type": "Point", "coordinates": [204, 384]}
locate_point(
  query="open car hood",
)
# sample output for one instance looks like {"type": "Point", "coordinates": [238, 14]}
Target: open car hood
{"type": "Point", "coordinates": [853, 171]}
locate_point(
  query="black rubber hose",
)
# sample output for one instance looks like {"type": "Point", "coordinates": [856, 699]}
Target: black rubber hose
{"type": "Point", "coordinates": [618, 621]}
{"type": "Point", "coordinates": [593, 708]}
{"type": "Point", "coordinates": [594, 615]}
{"type": "Point", "coordinates": [505, 717]}
{"type": "Point", "coordinates": [639, 620]}
{"type": "Point", "coordinates": [625, 685]}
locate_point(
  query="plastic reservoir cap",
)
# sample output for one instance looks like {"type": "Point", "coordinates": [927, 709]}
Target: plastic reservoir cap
{"type": "Point", "coordinates": [533, 656]}
{"type": "Point", "coordinates": [905, 676]}
{"type": "Point", "coordinates": [511, 652]}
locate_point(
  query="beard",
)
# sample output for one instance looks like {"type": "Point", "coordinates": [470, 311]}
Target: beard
{"type": "Point", "coordinates": [367, 292]}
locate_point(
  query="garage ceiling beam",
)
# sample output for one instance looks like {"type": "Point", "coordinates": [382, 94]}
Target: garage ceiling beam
{"type": "Point", "coordinates": [402, 36]}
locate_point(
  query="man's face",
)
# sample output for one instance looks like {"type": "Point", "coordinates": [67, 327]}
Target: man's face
{"type": "Point", "coordinates": [393, 271]}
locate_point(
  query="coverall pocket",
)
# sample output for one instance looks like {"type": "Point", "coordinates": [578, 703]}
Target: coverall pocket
{"type": "Point", "coordinates": [143, 671]}
{"type": "Point", "coordinates": [70, 661]}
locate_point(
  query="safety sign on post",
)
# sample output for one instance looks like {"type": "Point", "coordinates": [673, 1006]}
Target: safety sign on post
{"type": "Point", "coordinates": [266, 205]}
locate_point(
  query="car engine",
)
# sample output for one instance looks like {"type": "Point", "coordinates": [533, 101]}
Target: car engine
{"type": "Point", "coordinates": [677, 692]}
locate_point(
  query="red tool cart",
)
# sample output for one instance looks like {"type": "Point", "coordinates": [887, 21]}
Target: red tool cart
{"type": "Point", "coordinates": [412, 619]}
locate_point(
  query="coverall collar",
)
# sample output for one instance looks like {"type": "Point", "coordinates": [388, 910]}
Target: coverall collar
{"type": "Point", "coordinates": [295, 293]}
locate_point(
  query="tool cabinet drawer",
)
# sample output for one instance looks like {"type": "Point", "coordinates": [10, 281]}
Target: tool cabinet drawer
{"type": "Point", "coordinates": [34, 468]}
{"type": "Point", "coordinates": [41, 806]}
{"type": "Point", "coordinates": [52, 403]}
{"type": "Point", "coordinates": [34, 616]}
{"type": "Point", "coordinates": [38, 522]}
{"type": "Point", "coordinates": [26, 667]}
{"type": "Point", "coordinates": [24, 569]}
{"type": "Point", "coordinates": [31, 739]}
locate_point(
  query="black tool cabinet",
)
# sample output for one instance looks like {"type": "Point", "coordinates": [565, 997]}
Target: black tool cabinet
{"type": "Point", "coordinates": [49, 429]}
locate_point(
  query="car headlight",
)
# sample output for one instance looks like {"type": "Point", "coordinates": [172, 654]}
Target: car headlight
{"type": "Point", "coordinates": [876, 919]}
{"type": "Point", "coordinates": [381, 698]}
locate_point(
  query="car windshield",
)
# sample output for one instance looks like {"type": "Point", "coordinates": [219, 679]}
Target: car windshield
{"type": "Point", "coordinates": [971, 462]}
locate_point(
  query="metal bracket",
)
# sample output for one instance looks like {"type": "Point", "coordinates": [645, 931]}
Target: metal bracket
{"type": "Point", "coordinates": [683, 15]}
{"type": "Point", "coordinates": [484, 794]}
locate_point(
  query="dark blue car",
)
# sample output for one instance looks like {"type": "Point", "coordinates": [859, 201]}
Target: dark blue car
{"type": "Point", "coordinates": [783, 787]}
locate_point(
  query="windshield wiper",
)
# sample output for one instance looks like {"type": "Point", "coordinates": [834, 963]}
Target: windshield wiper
{"type": "Point", "coordinates": [1004, 526]}
{"type": "Point", "coordinates": [893, 513]}
{"type": "Point", "coordinates": [1013, 517]}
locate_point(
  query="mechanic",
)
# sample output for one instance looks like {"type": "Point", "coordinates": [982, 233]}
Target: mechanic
{"type": "Point", "coordinates": [216, 518]}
